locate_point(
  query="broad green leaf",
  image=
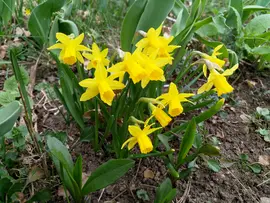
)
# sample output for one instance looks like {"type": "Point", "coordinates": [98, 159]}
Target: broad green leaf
{"type": "Point", "coordinates": [11, 84]}
{"type": "Point", "coordinates": [250, 9]}
{"type": "Point", "coordinates": [213, 165]}
{"type": "Point", "coordinates": [181, 20]}
{"type": "Point", "coordinates": [263, 2]}
{"type": "Point", "coordinates": [262, 111]}
{"type": "Point", "coordinates": [130, 23]}
{"type": "Point", "coordinates": [68, 27]}
{"type": "Point", "coordinates": [256, 168]}
{"type": "Point", "coordinates": [262, 50]}
{"type": "Point", "coordinates": [6, 98]}
{"type": "Point", "coordinates": [40, 19]}
{"type": "Point", "coordinates": [187, 141]}
{"type": "Point", "coordinates": [107, 174]}
{"type": "Point", "coordinates": [258, 25]}
{"type": "Point", "coordinates": [154, 14]}
{"type": "Point", "coordinates": [8, 116]}
{"type": "Point", "coordinates": [234, 19]}
{"type": "Point", "coordinates": [16, 187]}
{"type": "Point", "coordinates": [208, 30]}
{"type": "Point", "coordinates": [209, 150]}
{"type": "Point", "coordinates": [41, 196]}
{"type": "Point", "coordinates": [238, 5]}
{"type": "Point", "coordinates": [58, 150]}
{"type": "Point", "coordinates": [5, 185]}
{"type": "Point", "coordinates": [220, 23]}
{"type": "Point", "coordinates": [77, 172]}
{"type": "Point", "coordinates": [163, 190]}
{"type": "Point", "coordinates": [8, 8]}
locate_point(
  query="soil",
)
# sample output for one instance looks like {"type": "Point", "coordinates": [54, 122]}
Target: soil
{"type": "Point", "coordinates": [235, 182]}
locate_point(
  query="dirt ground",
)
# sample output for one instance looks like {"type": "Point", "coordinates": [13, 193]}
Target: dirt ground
{"type": "Point", "coordinates": [235, 182]}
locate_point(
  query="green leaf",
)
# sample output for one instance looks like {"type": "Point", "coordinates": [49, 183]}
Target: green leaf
{"type": "Point", "coordinates": [250, 9]}
{"type": "Point", "coordinates": [130, 23]}
{"type": "Point", "coordinates": [41, 196]}
{"type": "Point", "coordinates": [35, 174]}
{"type": "Point", "coordinates": [262, 50]}
{"type": "Point", "coordinates": [181, 20]}
{"type": "Point", "coordinates": [256, 168]}
{"type": "Point", "coordinates": [77, 172]}
{"type": "Point", "coordinates": [8, 116]}
{"type": "Point", "coordinates": [213, 165]}
{"type": "Point", "coordinates": [187, 141]}
{"type": "Point", "coordinates": [107, 174]}
{"type": "Point", "coordinates": [40, 19]}
{"type": "Point", "coordinates": [165, 192]}
{"type": "Point", "coordinates": [207, 30]}
{"type": "Point", "coordinates": [8, 8]}
{"type": "Point", "coordinates": [142, 194]}
{"type": "Point", "coordinates": [244, 157]}
{"type": "Point", "coordinates": [209, 150]}
{"type": "Point", "coordinates": [10, 84]}
{"type": "Point", "coordinates": [263, 2]}
{"type": "Point", "coordinates": [5, 185]}
{"type": "Point", "coordinates": [165, 141]}
{"type": "Point", "coordinates": [258, 25]}
{"type": "Point", "coordinates": [234, 19]}
{"type": "Point", "coordinates": [262, 111]}
{"type": "Point", "coordinates": [6, 98]}
{"type": "Point", "coordinates": [263, 132]}
{"type": "Point", "coordinates": [18, 72]}
{"type": "Point", "coordinates": [57, 149]}
{"type": "Point", "coordinates": [68, 27]}
{"type": "Point", "coordinates": [238, 5]}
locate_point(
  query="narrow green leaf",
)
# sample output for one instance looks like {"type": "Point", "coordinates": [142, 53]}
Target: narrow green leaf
{"type": "Point", "coordinates": [58, 150]}
{"type": "Point", "coordinates": [130, 23]}
{"type": "Point", "coordinates": [8, 8]}
{"type": "Point", "coordinates": [77, 172]}
{"type": "Point", "coordinates": [107, 174]}
{"type": "Point", "coordinates": [163, 190]}
{"type": "Point", "coordinates": [209, 150]}
{"type": "Point", "coordinates": [187, 141]}
{"type": "Point", "coordinates": [258, 25]}
{"type": "Point", "coordinates": [22, 85]}
{"type": "Point", "coordinates": [8, 116]}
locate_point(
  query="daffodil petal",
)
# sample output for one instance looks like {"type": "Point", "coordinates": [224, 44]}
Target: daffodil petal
{"type": "Point", "coordinates": [56, 46]}
{"type": "Point", "coordinates": [89, 94]}
{"type": "Point", "coordinates": [134, 130]}
{"type": "Point", "coordinates": [62, 38]}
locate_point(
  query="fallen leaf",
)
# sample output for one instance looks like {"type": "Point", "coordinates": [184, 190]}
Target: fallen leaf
{"type": "Point", "coordinates": [3, 51]}
{"type": "Point", "coordinates": [35, 174]}
{"type": "Point", "coordinates": [19, 31]}
{"type": "Point", "coordinates": [245, 118]}
{"type": "Point", "coordinates": [251, 83]}
{"type": "Point", "coordinates": [264, 160]}
{"type": "Point", "coordinates": [148, 174]}
{"type": "Point", "coordinates": [61, 192]}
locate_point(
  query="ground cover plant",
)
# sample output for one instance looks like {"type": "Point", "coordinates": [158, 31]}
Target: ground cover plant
{"type": "Point", "coordinates": [134, 101]}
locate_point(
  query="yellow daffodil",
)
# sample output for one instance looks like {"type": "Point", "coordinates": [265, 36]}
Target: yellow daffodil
{"type": "Point", "coordinates": [129, 65]}
{"type": "Point", "coordinates": [152, 66]}
{"type": "Point", "coordinates": [173, 98]}
{"type": "Point", "coordinates": [213, 58]}
{"type": "Point", "coordinates": [97, 57]}
{"type": "Point", "coordinates": [140, 136]}
{"type": "Point", "coordinates": [160, 115]}
{"type": "Point", "coordinates": [27, 12]}
{"type": "Point", "coordinates": [102, 84]}
{"type": "Point", "coordinates": [219, 81]}
{"type": "Point", "coordinates": [153, 42]}
{"type": "Point", "coordinates": [70, 48]}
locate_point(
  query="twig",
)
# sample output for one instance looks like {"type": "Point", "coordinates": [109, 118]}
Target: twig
{"type": "Point", "coordinates": [119, 194]}
{"type": "Point", "coordinates": [263, 182]}
{"type": "Point", "coordinates": [185, 195]}
{"type": "Point", "coordinates": [134, 178]}
{"type": "Point", "coordinates": [33, 73]}
{"type": "Point", "coordinates": [249, 192]}
{"type": "Point", "coordinates": [101, 194]}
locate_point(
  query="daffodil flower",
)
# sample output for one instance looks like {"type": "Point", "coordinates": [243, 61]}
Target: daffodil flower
{"type": "Point", "coordinates": [219, 81]}
{"type": "Point", "coordinates": [70, 48]}
{"type": "Point", "coordinates": [97, 57]}
{"type": "Point", "coordinates": [153, 42]}
{"type": "Point", "coordinates": [160, 115]}
{"type": "Point", "coordinates": [129, 65]}
{"type": "Point", "coordinates": [173, 98]}
{"type": "Point", "coordinates": [140, 136]}
{"type": "Point", "coordinates": [152, 66]}
{"type": "Point", "coordinates": [102, 84]}
{"type": "Point", "coordinates": [213, 58]}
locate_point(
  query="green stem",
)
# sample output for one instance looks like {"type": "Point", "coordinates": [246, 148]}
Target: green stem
{"type": "Point", "coordinates": [96, 125]}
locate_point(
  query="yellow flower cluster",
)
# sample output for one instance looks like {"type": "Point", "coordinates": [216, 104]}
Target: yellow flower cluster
{"type": "Point", "coordinates": [217, 75]}
{"type": "Point", "coordinates": [145, 64]}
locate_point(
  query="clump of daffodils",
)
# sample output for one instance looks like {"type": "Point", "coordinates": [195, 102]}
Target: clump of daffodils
{"type": "Point", "coordinates": [153, 52]}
